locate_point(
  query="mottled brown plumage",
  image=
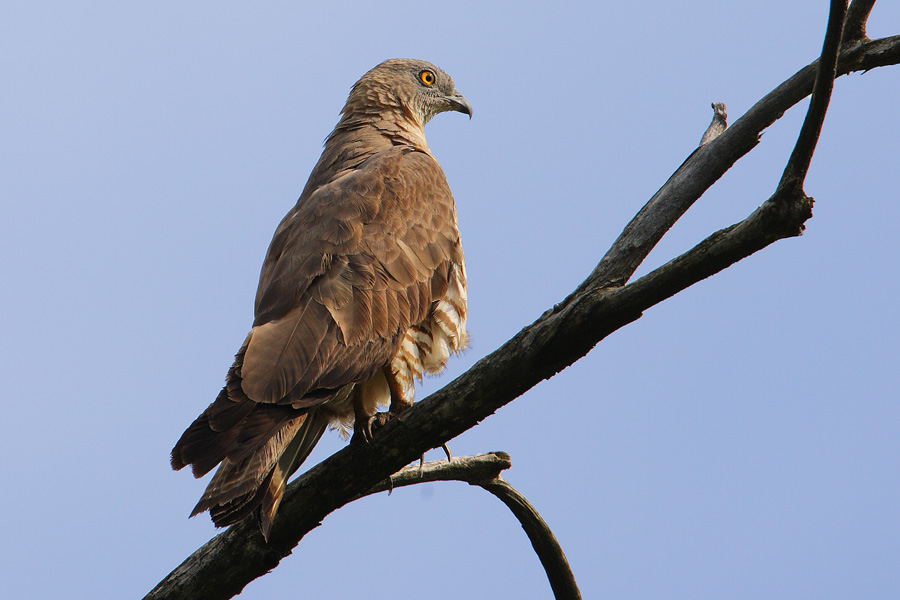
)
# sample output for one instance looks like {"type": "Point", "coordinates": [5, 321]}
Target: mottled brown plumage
{"type": "Point", "coordinates": [363, 290]}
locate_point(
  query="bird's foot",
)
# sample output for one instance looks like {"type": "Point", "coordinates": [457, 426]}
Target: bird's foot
{"type": "Point", "coordinates": [378, 420]}
{"type": "Point", "coordinates": [364, 429]}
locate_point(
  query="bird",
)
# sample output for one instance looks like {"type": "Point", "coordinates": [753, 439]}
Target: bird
{"type": "Point", "coordinates": [362, 291]}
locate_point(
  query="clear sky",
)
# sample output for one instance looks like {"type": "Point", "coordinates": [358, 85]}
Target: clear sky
{"type": "Point", "coordinates": [739, 441]}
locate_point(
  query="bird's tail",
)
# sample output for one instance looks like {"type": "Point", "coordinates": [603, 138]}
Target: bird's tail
{"type": "Point", "coordinates": [291, 459]}
{"type": "Point", "coordinates": [258, 480]}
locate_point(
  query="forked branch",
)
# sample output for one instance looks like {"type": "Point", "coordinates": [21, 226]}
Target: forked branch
{"type": "Point", "coordinates": [484, 470]}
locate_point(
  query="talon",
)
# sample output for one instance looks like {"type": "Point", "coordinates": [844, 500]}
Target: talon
{"type": "Point", "coordinates": [446, 449]}
{"type": "Point", "coordinates": [362, 431]}
{"type": "Point", "coordinates": [421, 465]}
{"type": "Point", "coordinates": [369, 428]}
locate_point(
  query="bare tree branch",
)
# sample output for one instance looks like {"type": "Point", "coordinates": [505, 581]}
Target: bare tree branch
{"type": "Point", "coordinates": [601, 305]}
{"type": "Point", "coordinates": [798, 164]}
{"type": "Point", "coordinates": [855, 24]}
{"type": "Point", "coordinates": [473, 470]}
{"type": "Point", "coordinates": [869, 55]}
{"type": "Point", "coordinates": [562, 582]}
{"type": "Point", "coordinates": [484, 470]}
{"type": "Point", "coordinates": [704, 167]}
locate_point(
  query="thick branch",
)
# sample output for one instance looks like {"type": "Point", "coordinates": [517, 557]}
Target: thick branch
{"type": "Point", "coordinates": [223, 566]}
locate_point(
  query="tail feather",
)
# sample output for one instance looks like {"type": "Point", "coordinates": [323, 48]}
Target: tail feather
{"type": "Point", "coordinates": [228, 430]}
{"type": "Point", "coordinates": [293, 456]}
{"type": "Point", "coordinates": [236, 479]}
{"type": "Point", "coordinates": [238, 508]}
{"type": "Point", "coordinates": [258, 480]}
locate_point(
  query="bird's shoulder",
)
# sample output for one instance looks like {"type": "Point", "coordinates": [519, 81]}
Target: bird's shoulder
{"type": "Point", "coordinates": [395, 198]}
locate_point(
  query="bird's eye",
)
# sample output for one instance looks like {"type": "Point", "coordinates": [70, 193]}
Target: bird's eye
{"type": "Point", "coordinates": [426, 77]}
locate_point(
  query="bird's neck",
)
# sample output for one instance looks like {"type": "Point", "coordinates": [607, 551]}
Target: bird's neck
{"type": "Point", "coordinates": [388, 127]}
{"type": "Point", "coordinates": [355, 140]}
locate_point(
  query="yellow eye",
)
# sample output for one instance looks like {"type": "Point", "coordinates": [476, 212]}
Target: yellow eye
{"type": "Point", "coordinates": [427, 77]}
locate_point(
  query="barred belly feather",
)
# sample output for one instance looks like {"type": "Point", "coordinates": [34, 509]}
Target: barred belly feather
{"type": "Point", "coordinates": [427, 346]}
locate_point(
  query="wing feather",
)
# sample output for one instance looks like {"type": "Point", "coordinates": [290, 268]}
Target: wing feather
{"type": "Point", "coordinates": [281, 352]}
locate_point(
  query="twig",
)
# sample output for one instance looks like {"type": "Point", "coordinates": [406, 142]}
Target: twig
{"type": "Point", "coordinates": [470, 469]}
{"type": "Point", "coordinates": [562, 582]}
{"type": "Point", "coordinates": [483, 470]}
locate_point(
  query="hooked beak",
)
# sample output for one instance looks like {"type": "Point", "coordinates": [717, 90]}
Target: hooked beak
{"type": "Point", "coordinates": [459, 103]}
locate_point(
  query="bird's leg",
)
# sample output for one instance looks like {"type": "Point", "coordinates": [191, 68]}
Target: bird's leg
{"type": "Point", "coordinates": [399, 403]}
{"type": "Point", "coordinates": [365, 424]}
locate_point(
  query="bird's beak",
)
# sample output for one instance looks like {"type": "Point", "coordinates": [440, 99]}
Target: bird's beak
{"type": "Point", "coordinates": [459, 103]}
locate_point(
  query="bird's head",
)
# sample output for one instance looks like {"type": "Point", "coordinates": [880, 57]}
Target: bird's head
{"type": "Point", "coordinates": [416, 88]}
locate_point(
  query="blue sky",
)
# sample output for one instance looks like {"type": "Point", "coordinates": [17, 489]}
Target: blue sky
{"type": "Point", "coordinates": [740, 440]}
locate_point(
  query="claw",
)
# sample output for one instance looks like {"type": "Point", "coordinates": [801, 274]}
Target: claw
{"type": "Point", "coordinates": [362, 430]}
{"type": "Point", "coordinates": [446, 449]}
{"type": "Point", "coordinates": [368, 429]}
